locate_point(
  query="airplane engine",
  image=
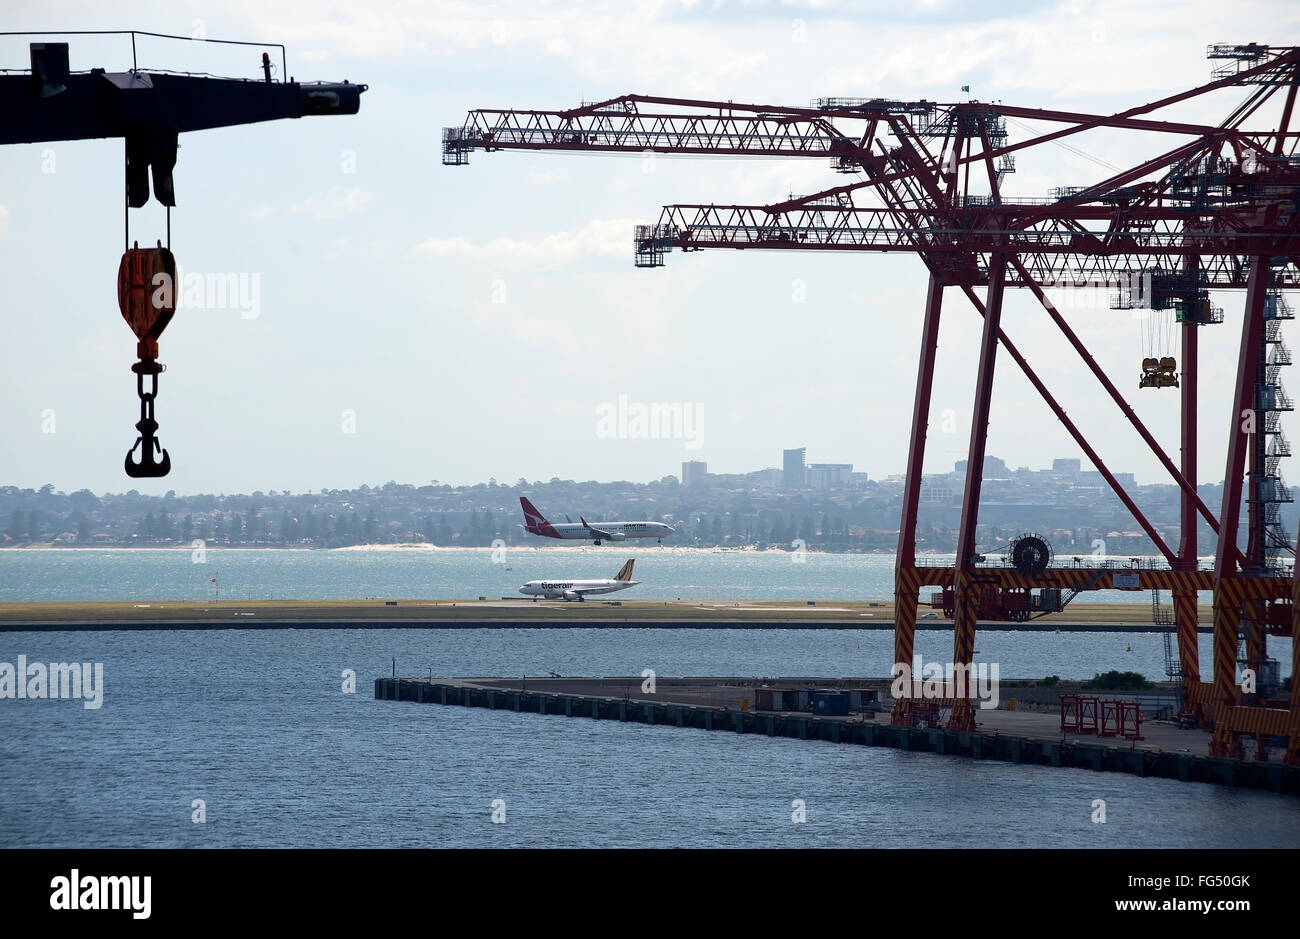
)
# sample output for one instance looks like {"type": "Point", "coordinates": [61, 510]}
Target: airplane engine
{"type": "Point", "coordinates": [617, 536]}
{"type": "Point", "coordinates": [572, 595]}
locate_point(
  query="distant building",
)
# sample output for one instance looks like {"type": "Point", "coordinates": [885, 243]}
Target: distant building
{"type": "Point", "coordinates": [993, 467]}
{"type": "Point", "coordinates": [829, 475]}
{"type": "Point", "coordinates": [770, 478]}
{"type": "Point", "coordinates": [937, 490]}
{"type": "Point", "coordinates": [693, 472]}
{"type": "Point", "coordinates": [1068, 467]}
{"type": "Point", "coordinates": [1094, 478]}
{"type": "Point", "coordinates": [794, 475]}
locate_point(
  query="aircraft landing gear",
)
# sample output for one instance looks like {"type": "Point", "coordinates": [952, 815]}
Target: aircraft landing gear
{"type": "Point", "coordinates": [597, 542]}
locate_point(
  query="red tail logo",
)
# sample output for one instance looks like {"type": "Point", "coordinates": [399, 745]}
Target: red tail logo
{"type": "Point", "coordinates": [535, 522]}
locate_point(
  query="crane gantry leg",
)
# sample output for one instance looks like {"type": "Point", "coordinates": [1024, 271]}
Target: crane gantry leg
{"type": "Point", "coordinates": [1229, 589]}
{"type": "Point", "coordinates": [965, 587]}
{"type": "Point", "coordinates": [906, 581]}
{"type": "Point", "coordinates": [1292, 757]}
{"type": "Point", "coordinates": [1186, 605]}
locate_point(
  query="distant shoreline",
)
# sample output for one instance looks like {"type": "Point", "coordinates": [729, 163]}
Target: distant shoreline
{"type": "Point", "coordinates": [366, 548]}
{"type": "Point", "coordinates": [519, 548]}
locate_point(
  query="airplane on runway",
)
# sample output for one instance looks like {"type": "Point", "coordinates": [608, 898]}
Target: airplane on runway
{"type": "Point", "coordinates": [578, 589]}
{"type": "Point", "coordinates": [535, 523]}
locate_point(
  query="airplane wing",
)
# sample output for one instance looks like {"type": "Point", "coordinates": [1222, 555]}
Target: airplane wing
{"type": "Point", "coordinates": [596, 531]}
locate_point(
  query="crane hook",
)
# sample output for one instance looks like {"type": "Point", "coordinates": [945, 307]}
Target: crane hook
{"type": "Point", "coordinates": [147, 467]}
{"type": "Point", "coordinates": [147, 442]}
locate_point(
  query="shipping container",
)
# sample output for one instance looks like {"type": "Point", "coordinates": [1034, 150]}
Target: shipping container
{"type": "Point", "coordinates": [830, 703]}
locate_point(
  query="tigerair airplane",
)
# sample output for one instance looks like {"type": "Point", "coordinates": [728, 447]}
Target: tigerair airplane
{"type": "Point", "coordinates": [535, 523]}
{"type": "Point", "coordinates": [578, 589]}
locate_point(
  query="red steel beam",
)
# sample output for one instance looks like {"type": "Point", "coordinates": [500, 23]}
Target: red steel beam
{"type": "Point", "coordinates": [1054, 254]}
{"type": "Point", "coordinates": [1187, 602]}
{"type": "Point", "coordinates": [920, 424]}
{"type": "Point", "coordinates": [1190, 501]}
{"type": "Point", "coordinates": [1090, 121]}
{"type": "Point", "coordinates": [1285, 121]}
{"type": "Point", "coordinates": [1292, 756]}
{"type": "Point", "coordinates": [1243, 418]}
{"type": "Point", "coordinates": [1227, 597]}
{"type": "Point", "coordinates": [964, 587]}
{"type": "Point", "coordinates": [740, 112]}
{"type": "Point", "coordinates": [905, 585]}
{"type": "Point", "coordinates": [1291, 56]}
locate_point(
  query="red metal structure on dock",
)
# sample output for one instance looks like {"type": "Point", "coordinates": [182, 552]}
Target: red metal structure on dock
{"type": "Point", "coordinates": [1214, 209]}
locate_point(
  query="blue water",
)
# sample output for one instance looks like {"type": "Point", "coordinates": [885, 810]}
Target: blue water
{"type": "Point", "coordinates": [663, 573]}
{"type": "Point", "coordinates": [257, 725]}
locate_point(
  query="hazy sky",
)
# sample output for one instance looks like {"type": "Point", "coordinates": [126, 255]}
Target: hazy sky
{"type": "Point", "coordinates": [473, 320]}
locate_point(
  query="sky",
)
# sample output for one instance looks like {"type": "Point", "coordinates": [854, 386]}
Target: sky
{"type": "Point", "coordinates": [403, 320]}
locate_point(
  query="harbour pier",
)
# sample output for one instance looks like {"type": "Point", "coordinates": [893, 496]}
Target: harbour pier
{"type": "Point", "coordinates": [729, 704]}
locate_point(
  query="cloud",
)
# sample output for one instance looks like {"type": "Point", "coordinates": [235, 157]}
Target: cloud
{"type": "Point", "coordinates": [600, 238]}
{"type": "Point", "coordinates": [333, 203]}
{"type": "Point", "coordinates": [4, 219]}
{"type": "Point", "coordinates": [546, 177]}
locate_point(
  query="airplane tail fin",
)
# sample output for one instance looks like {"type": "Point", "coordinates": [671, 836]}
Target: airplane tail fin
{"type": "Point", "coordinates": [532, 517]}
{"type": "Point", "coordinates": [625, 572]}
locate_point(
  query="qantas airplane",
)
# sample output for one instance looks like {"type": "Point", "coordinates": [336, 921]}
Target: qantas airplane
{"type": "Point", "coordinates": [578, 589]}
{"type": "Point", "coordinates": [536, 524]}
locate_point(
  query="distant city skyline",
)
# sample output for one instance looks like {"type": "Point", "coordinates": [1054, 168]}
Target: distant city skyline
{"type": "Point", "coordinates": [836, 511]}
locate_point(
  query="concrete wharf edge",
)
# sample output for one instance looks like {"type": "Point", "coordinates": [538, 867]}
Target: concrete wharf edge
{"type": "Point", "coordinates": [1246, 774]}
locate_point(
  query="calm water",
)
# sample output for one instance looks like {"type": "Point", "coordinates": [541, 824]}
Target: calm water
{"type": "Point", "coordinates": [664, 573]}
{"type": "Point", "coordinates": [256, 724]}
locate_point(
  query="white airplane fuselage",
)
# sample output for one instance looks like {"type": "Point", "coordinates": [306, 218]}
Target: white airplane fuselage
{"type": "Point", "coordinates": [572, 589]}
{"type": "Point", "coordinates": [577, 589]}
{"type": "Point", "coordinates": [535, 523]}
{"type": "Point", "coordinates": [607, 531]}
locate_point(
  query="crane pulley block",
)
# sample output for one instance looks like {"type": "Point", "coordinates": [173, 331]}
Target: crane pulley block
{"type": "Point", "coordinates": [146, 294]}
